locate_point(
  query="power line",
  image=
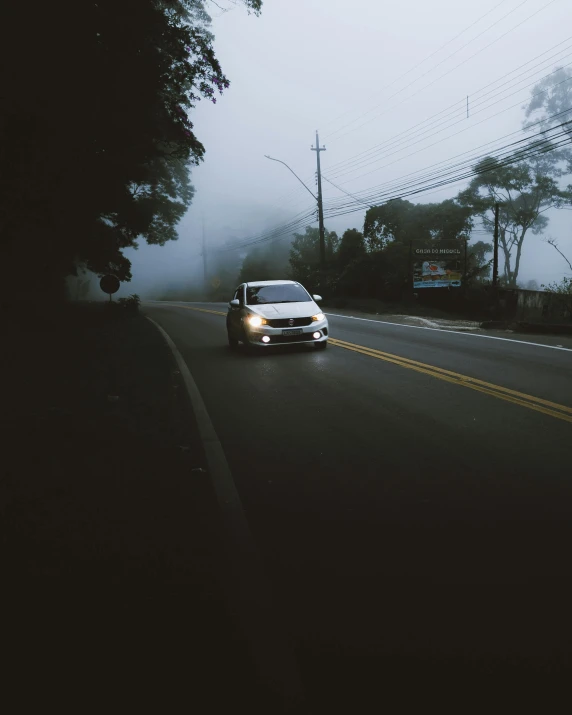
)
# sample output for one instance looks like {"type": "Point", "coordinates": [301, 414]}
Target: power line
{"type": "Point", "coordinates": [422, 61]}
{"type": "Point", "coordinates": [512, 158]}
{"type": "Point", "coordinates": [486, 119]}
{"type": "Point", "coordinates": [446, 73]}
{"type": "Point", "coordinates": [296, 192]}
{"type": "Point", "coordinates": [433, 68]}
{"type": "Point", "coordinates": [345, 192]}
{"type": "Point", "coordinates": [296, 221]}
{"type": "Point", "coordinates": [419, 173]}
{"type": "Point", "coordinates": [421, 177]}
{"type": "Point", "coordinates": [545, 145]}
{"type": "Point", "coordinates": [358, 158]}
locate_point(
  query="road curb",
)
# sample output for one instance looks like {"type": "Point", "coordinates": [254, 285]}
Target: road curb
{"type": "Point", "coordinates": [248, 591]}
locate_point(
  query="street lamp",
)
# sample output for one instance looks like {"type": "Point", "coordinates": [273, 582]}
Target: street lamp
{"type": "Point", "coordinates": [295, 174]}
{"type": "Point", "coordinates": [317, 198]}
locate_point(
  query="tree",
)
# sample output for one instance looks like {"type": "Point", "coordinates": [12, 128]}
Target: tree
{"type": "Point", "coordinates": [403, 221]}
{"type": "Point", "coordinates": [332, 245]}
{"type": "Point", "coordinates": [97, 154]}
{"type": "Point", "coordinates": [397, 220]}
{"type": "Point", "coordinates": [305, 252]}
{"type": "Point", "coordinates": [525, 190]}
{"type": "Point", "coordinates": [352, 246]}
{"type": "Point", "coordinates": [447, 220]}
{"type": "Point", "coordinates": [479, 267]}
{"type": "Point", "coordinates": [554, 243]}
{"type": "Point", "coordinates": [305, 260]}
{"type": "Point", "coordinates": [266, 263]}
{"type": "Point", "coordinates": [550, 105]}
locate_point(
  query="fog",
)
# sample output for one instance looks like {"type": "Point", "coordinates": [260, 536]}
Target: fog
{"type": "Point", "coordinates": [361, 73]}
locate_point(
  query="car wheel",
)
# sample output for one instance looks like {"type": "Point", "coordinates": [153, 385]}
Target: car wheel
{"type": "Point", "coordinates": [321, 346]}
{"type": "Point", "coordinates": [233, 342]}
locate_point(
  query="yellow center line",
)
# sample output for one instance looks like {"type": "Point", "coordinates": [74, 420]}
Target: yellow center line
{"type": "Point", "coordinates": [546, 407]}
{"type": "Point", "coordinates": [538, 404]}
{"type": "Point", "coordinates": [201, 310]}
{"type": "Point", "coordinates": [456, 375]}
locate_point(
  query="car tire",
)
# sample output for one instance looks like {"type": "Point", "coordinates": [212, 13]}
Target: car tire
{"type": "Point", "coordinates": [233, 342]}
{"type": "Point", "coordinates": [321, 346]}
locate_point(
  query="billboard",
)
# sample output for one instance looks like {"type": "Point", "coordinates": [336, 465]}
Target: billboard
{"type": "Point", "coordinates": [438, 264]}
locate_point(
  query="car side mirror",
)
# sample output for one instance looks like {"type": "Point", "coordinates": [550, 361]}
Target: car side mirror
{"type": "Point", "coordinates": [317, 298]}
{"type": "Point", "coordinates": [234, 304]}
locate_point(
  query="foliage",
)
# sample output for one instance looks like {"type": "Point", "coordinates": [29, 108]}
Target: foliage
{"type": "Point", "coordinates": [123, 308]}
{"type": "Point", "coordinates": [394, 221]}
{"type": "Point", "coordinates": [478, 266]}
{"type": "Point", "coordinates": [305, 261]}
{"type": "Point", "coordinates": [130, 305]}
{"type": "Point", "coordinates": [564, 289]}
{"type": "Point", "coordinates": [550, 105]}
{"type": "Point", "coordinates": [95, 139]}
{"type": "Point", "coordinates": [524, 190]}
{"type": "Point", "coordinates": [305, 253]}
{"type": "Point", "coordinates": [352, 246]}
{"type": "Point", "coordinates": [403, 221]}
{"type": "Point", "coordinates": [266, 263]}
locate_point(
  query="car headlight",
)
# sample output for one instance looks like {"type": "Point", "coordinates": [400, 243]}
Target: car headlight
{"type": "Point", "coordinates": [319, 316]}
{"type": "Point", "coordinates": [256, 321]}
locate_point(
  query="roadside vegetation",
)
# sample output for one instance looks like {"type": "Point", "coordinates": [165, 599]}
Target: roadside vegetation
{"type": "Point", "coordinates": [96, 140]}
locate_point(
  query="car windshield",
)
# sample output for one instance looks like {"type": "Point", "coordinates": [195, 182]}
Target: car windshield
{"type": "Point", "coordinates": [280, 293]}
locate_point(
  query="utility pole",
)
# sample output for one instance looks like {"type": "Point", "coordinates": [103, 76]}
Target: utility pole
{"type": "Point", "coordinates": [318, 149]}
{"type": "Point", "coordinates": [496, 247]}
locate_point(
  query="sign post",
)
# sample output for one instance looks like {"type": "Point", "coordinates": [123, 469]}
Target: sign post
{"type": "Point", "coordinates": [410, 276]}
{"type": "Point", "coordinates": [109, 284]}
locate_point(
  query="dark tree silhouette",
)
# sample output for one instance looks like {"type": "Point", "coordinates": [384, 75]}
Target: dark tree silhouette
{"type": "Point", "coordinates": [96, 143]}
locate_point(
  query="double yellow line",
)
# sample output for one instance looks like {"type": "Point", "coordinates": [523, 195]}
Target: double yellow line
{"type": "Point", "coordinates": [552, 409]}
{"type": "Point", "coordinates": [201, 310]}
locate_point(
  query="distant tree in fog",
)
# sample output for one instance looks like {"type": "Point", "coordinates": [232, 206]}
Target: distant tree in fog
{"type": "Point", "coordinates": [524, 189]}
{"type": "Point", "coordinates": [550, 106]}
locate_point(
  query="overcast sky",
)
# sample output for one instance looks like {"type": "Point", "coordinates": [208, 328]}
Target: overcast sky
{"type": "Point", "coordinates": [362, 73]}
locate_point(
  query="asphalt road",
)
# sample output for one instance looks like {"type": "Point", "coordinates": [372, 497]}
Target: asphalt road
{"type": "Point", "coordinates": [411, 493]}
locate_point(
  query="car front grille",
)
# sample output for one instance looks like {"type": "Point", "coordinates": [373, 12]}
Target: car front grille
{"type": "Point", "coordinates": [284, 339]}
{"type": "Point", "coordinates": [285, 322]}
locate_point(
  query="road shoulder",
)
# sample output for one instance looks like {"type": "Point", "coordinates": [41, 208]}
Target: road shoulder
{"type": "Point", "coordinates": [111, 535]}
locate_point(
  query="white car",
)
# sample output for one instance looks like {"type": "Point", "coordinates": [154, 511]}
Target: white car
{"type": "Point", "coordinates": [267, 313]}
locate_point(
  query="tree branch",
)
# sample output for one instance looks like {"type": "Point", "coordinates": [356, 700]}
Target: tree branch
{"type": "Point", "coordinates": [552, 242]}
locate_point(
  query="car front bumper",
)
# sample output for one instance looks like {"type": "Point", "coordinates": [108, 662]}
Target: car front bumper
{"type": "Point", "coordinates": [276, 335]}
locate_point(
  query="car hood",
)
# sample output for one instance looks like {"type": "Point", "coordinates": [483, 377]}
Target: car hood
{"type": "Point", "coordinates": [285, 310]}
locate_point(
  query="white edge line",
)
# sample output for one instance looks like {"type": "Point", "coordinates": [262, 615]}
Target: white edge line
{"type": "Point", "coordinates": [272, 653]}
{"type": "Point", "coordinates": [415, 327]}
{"type": "Point", "coordinates": [455, 332]}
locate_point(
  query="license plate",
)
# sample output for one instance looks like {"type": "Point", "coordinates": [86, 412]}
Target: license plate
{"type": "Point", "coordinates": [292, 332]}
